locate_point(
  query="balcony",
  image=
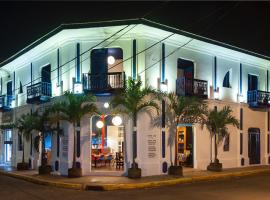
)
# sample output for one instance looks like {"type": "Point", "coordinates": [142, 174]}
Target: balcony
{"type": "Point", "coordinates": [39, 93]}
{"type": "Point", "coordinates": [258, 99]}
{"type": "Point", "coordinates": [6, 102]}
{"type": "Point", "coordinates": [191, 87]}
{"type": "Point", "coordinates": [103, 83]}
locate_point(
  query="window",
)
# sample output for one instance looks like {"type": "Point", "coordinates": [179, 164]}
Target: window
{"type": "Point", "coordinates": [252, 82]}
{"type": "Point", "coordinates": [227, 79]}
{"type": "Point", "coordinates": [226, 146]}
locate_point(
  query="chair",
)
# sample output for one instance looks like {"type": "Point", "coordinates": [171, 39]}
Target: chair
{"type": "Point", "coordinates": [101, 159]}
{"type": "Point", "coordinates": [108, 159]}
{"type": "Point", "coordinates": [119, 160]}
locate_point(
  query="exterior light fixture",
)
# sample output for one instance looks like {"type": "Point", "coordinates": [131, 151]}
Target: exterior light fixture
{"type": "Point", "coordinates": [117, 121]}
{"type": "Point", "coordinates": [100, 124]}
{"type": "Point", "coordinates": [77, 88]}
{"type": "Point", "coordinates": [111, 60]}
{"type": "Point", "coordinates": [240, 98]}
{"type": "Point", "coordinates": [106, 105]}
{"type": "Point", "coordinates": [216, 94]}
{"type": "Point", "coordinates": [57, 90]}
{"type": "Point", "coordinates": [163, 87]}
{"type": "Point", "coordinates": [13, 103]}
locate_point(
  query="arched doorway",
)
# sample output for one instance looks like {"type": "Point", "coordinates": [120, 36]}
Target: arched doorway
{"type": "Point", "coordinates": [107, 144]}
{"type": "Point", "coordinates": [254, 146]}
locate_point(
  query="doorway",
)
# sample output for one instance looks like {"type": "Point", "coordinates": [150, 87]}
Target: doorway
{"type": "Point", "coordinates": [254, 146]}
{"type": "Point", "coordinates": [185, 149]}
{"type": "Point", "coordinates": [46, 74]}
{"type": "Point", "coordinates": [107, 144]}
{"type": "Point", "coordinates": [8, 146]}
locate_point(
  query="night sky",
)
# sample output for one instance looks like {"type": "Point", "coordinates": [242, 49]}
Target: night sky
{"type": "Point", "coordinates": [243, 24]}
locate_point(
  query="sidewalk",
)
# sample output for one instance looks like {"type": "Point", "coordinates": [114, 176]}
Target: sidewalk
{"type": "Point", "coordinates": [115, 183]}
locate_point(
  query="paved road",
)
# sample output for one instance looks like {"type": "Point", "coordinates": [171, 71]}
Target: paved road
{"type": "Point", "coordinates": [247, 188]}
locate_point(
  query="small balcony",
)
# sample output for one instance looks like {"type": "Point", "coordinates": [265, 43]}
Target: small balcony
{"type": "Point", "coordinates": [104, 83]}
{"type": "Point", "coordinates": [191, 87]}
{"type": "Point", "coordinates": [258, 99]}
{"type": "Point", "coordinates": [39, 93]}
{"type": "Point", "coordinates": [6, 102]}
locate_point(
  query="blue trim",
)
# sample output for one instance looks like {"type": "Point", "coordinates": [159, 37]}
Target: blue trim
{"type": "Point", "coordinates": [267, 76]}
{"type": "Point", "coordinates": [134, 59]}
{"type": "Point", "coordinates": [241, 82]}
{"type": "Point", "coordinates": [58, 67]}
{"type": "Point", "coordinates": [31, 68]}
{"type": "Point", "coordinates": [1, 85]}
{"type": "Point", "coordinates": [163, 112]}
{"type": "Point", "coordinates": [78, 66]}
{"type": "Point", "coordinates": [163, 63]}
{"type": "Point", "coordinates": [14, 83]}
{"type": "Point", "coordinates": [181, 125]}
{"type": "Point", "coordinates": [215, 73]}
{"type": "Point", "coordinates": [163, 144]}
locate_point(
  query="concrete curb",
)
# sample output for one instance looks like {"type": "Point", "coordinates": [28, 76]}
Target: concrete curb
{"type": "Point", "coordinates": [76, 186]}
{"type": "Point", "coordinates": [127, 186]}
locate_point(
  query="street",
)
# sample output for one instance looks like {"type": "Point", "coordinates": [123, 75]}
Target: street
{"type": "Point", "coordinates": [253, 187]}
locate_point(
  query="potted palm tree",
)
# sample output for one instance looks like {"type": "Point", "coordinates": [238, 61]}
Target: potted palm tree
{"type": "Point", "coordinates": [23, 124]}
{"type": "Point", "coordinates": [181, 109]}
{"type": "Point", "coordinates": [216, 122]}
{"type": "Point", "coordinates": [130, 101]}
{"type": "Point", "coordinates": [40, 122]}
{"type": "Point", "coordinates": [72, 110]}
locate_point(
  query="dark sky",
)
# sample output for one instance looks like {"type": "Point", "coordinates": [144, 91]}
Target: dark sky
{"type": "Point", "coordinates": [243, 24]}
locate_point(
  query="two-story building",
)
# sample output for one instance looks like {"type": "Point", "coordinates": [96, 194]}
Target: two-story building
{"type": "Point", "coordinates": [98, 58]}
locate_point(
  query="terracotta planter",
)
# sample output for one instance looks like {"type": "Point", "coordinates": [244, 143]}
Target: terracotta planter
{"type": "Point", "coordinates": [22, 166]}
{"type": "Point", "coordinates": [45, 169]}
{"type": "Point", "coordinates": [176, 170]}
{"type": "Point", "coordinates": [134, 173]}
{"type": "Point", "coordinates": [74, 172]}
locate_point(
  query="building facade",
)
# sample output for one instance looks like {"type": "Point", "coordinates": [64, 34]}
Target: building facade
{"type": "Point", "coordinates": [98, 58]}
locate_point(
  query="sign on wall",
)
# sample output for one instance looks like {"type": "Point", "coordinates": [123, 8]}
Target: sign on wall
{"type": "Point", "coordinates": [64, 141]}
{"type": "Point", "coordinates": [151, 145]}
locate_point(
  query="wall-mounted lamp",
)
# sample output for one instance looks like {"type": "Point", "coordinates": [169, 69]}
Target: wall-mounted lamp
{"type": "Point", "coordinates": [111, 60]}
{"type": "Point", "coordinates": [240, 98]}
{"type": "Point", "coordinates": [78, 88]}
{"type": "Point", "coordinates": [216, 94]}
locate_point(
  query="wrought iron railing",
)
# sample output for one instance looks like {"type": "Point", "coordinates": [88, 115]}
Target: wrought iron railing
{"type": "Point", "coordinates": [191, 87]}
{"type": "Point", "coordinates": [6, 101]}
{"type": "Point", "coordinates": [258, 98]}
{"type": "Point", "coordinates": [106, 82]}
{"type": "Point", "coordinates": [38, 90]}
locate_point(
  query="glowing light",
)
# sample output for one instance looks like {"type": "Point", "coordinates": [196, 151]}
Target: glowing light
{"type": "Point", "coordinates": [13, 104]}
{"type": "Point", "coordinates": [77, 88]}
{"type": "Point", "coordinates": [241, 98]}
{"type": "Point", "coordinates": [106, 105]}
{"type": "Point", "coordinates": [111, 60]}
{"type": "Point", "coordinates": [100, 124]}
{"type": "Point", "coordinates": [216, 95]}
{"type": "Point", "coordinates": [57, 90]}
{"type": "Point", "coordinates": [163, 87]}
{"type": "Point", "coordinates": [117, 121]}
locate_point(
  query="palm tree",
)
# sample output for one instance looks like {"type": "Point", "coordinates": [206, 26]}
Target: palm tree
{"type": "Point", "coordinates": [216, 122]}
{"type": "Point", "coordinates": [130, 101]}
{"type": "Point", "coordinates": [72, 110]}
{"type": "Point", "coordinates": [24, 124]}
{"type": "Point", "coordinates": [182, 109]}
{"type": "Point", "coordinates": [41, 123]}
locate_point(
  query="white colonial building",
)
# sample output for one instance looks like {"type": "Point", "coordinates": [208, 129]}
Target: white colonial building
{"type": "Point", "coordinates": [98, 58]}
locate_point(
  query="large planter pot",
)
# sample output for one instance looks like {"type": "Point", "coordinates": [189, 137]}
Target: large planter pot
{"type": "Point", "coordinates": [176, 170]}
{"type": "Point", "coordinates": [215, 167]}
{"type": "Point", "coordinates": [45, 169]}
{"type": "Point", "coordinates": [22, 166]}
{"type": "Point", "coordinates": [74, 172]}
{"type": "Point", "coordinates": [134, 172]}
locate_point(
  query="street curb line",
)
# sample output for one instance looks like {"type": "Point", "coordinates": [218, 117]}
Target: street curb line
{"type": "Point", "coordinates": [182, 180]}
{"type": "Point", "coordinates": [76, 186]}
{"type": "Point", "coordinates": [127, 186]}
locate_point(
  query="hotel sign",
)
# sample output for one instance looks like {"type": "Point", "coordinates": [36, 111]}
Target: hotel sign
{"type": "Point", "coordinates": [152, 145]}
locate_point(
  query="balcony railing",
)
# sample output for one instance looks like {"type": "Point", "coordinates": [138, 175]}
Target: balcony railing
{"type": "Point", "coordinates": [258, 98]}
{"type": "Point", "coordinates": [6, 102]}
{"type": "Point", "coordinates": [39, 92]}
{"type": "Point", "coordinates": [108, 82]}
{"type": "Point", "coordinates": [191, 87]}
